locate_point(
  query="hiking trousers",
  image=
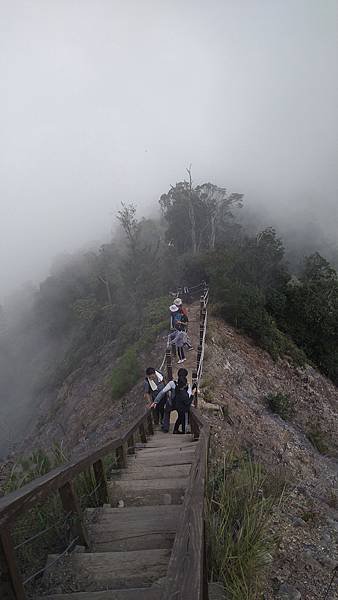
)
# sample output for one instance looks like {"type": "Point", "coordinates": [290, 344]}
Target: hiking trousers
{"type": "Point", "coordinates": [180, 420]}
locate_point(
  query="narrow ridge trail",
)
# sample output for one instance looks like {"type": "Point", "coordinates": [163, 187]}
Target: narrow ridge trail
{"type": "Point", "coordinates": [130, 540]}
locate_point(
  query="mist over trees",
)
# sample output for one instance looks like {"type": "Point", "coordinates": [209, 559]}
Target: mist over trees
{"type": "Point", "coordinates": [104, 297]}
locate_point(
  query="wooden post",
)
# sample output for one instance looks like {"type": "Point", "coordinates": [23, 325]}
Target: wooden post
{"type": "Point", "coordinates": [194, 428]}
{"type": "Point", "coordinates": [201, 334]}
{"type": "Point", "coordinates": [199, 353]}
{"type": "Point", "coordinates": [142, 432]}
{"type": "Point", "coordinates": [169, 364]}
{"type": "Point", "coordinates": [101, 480]}
{"type": "Point", "coordinates": [194, 381]}
{"type": "Point", "coordinates": [70, 503]}
{"type": "Point", "coordinates": [205, 593]}
{"type": "Point", "coordinates": [150, 424]}
{"type": "Point", "coordinates": [121, 455]}
{"type": "Point", "coordinates": [201, 306]}
{"type": "Point", "coordinates": [131, 444]}
{"type": "Point", "coordinates": [11, 586]}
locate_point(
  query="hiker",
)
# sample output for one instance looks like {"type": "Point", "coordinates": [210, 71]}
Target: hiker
{"type": "Point", "coordinates": [178, 338]}
{"type": "Point", "coordinates": [182, 313]}
{"type": "Point", "coordinates": [153, 384]}
{"type": "Point", "coordinates": [175, 315]}
{"type": "Point", "coordinates": [170, 389]}
{"type": "Point", "coordinates": [182, 404]}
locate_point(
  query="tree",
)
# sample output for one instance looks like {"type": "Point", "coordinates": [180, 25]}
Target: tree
{"type": "Point", "coordinates": [198, 218]}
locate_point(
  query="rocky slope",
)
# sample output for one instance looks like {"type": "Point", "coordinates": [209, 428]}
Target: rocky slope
{"type": "Point", "coordinates": [238, 376]}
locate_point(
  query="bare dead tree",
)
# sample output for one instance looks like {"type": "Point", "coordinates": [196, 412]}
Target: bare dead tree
{"type": "Point", "coordinates": [192, 214]}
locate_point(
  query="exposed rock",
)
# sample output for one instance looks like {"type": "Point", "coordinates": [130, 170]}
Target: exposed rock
{"type": "Point", "coordinates": [288, 592]}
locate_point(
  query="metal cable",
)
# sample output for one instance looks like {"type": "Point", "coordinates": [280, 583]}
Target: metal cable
{"type": "Point", "coordinates": [37, 535]}
{"type": "Point", "coordinates": [51, 563]}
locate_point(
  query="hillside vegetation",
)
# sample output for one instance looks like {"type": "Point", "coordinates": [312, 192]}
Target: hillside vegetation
{"type": "Point", "coordinates": [110, 300]}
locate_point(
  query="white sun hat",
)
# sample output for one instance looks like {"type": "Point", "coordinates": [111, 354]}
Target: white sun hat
{"type": "Point", "coordinates": [178, 301]}
{"type": "Point", "coordinates": [173, 308]}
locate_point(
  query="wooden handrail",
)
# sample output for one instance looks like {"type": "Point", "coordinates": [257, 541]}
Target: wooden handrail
{"type": "Point", "coordinates": [21, 499]}
{"type": "Point", "coordinates": [187, 574]}
{"type": "Point", "coordinates": [59, 480]}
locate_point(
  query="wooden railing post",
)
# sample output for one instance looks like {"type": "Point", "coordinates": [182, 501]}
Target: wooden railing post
{"type": "Point", "coordinates": [201, 334]}
{"type": "Point", "coordinates": [70, 503]}
{"type": "Point", "coordinates": [11, 586]}
{"type": "Point", "coordinates": [142, 432]}
{"type": "Point", "coordinates": [121, 455]}
{"type": "Point", "coordinates": [150, 426]}
{"type": "Point", "coordinates": [101, 481]}
{"type": "Point", "coordinates": [169, 364]}
{"type": "Point", "coordinates": [201, 306]}
{"type": "Point", "coordinates": [195, 391]}
{"type": "Point", "coordinates": [131, 444]}
{"type": "Point", "coordinates": [205, 566]}
{"type": "Point", "coordinates": [199, 353]}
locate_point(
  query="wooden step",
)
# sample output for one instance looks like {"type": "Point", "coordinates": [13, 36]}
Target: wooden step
{"type": "Point", "coordinates": [139, 471]}
{"type": "Point", "coordinates": [134, 594]}
{"type": "Point", "coordinates": [132, 528]}
{"type": "Point", "coordinates": [167, 440]}
{"type": "Point", "coordinates": [152, 492]}
{"type": "Point", "coordinates": [162, 451]}
{"type": "Point", "coordinates": [157, 460]}
{"type": "Point", "coordinates": [98, 571]}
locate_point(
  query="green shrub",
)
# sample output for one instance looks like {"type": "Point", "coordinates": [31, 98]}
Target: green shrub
{"type": "Point", "coordinates": [239, 513]}
{"type": "Point", "coordinates": [318, 438]}
{"type": "Point", "coordinates": [280, 404]}
{"type": "Point", "coordinates": [126, 374]}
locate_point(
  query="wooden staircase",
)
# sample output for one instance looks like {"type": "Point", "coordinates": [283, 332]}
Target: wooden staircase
{"type": "Point", "coordinates": [147, 540]}
{"type": "Point", "coordinates": [130, 541]}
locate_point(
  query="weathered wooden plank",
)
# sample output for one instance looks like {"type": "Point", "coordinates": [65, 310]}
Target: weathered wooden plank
{"type": "Point", "coordinates": [121, 456]}
{"type": "Point", "coordinates": [148, 492]}
{"type": "Point", "coordinates": [11, 586]}
{"type": "Point", "coordinates": [156, 460]}
{"type": "Point", "coordinates": [134, 528]}
{"type": "Point", "coordinates": [150, 426]}
{"type": "Point", "coordinates": [131, 444]}
{"type": "Point", "coordinates": [139, 471]}
{"type": "Point", "coordinates": [120, 570]}
{"type": "Point", "coordinates": [70, 503]}
{"type": "Point", "coordinates": [101, 481]}
{"type": "Point", "coordinates": [142, 433]}
{"type": "Point", "coordinates": [132, 594]}
{"type": "Point", "coordinates": [185, 578]}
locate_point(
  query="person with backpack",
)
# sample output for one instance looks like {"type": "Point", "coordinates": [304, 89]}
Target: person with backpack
{"type": "Point", "coordinates": [153, 384]}
{"type": "Point", "coordinates": [170, 404]}
{"type": "Point", "coordinates": [182, 313]}
{"type": "Point", "coordinates": [182, 404]}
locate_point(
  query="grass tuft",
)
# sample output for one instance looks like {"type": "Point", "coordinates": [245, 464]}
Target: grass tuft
{"type": "Point", "coordinates": [239, 511]}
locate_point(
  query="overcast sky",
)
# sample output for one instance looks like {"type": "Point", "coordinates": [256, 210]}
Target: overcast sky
{"type": "Point", "coordinates": [106, 100]}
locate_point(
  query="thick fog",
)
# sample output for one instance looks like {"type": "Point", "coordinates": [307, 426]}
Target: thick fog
{"type": "Point", "coordinates": [110, 100]}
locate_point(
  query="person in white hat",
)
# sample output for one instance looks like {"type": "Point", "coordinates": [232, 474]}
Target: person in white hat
{"type": "Point", "coordinates": [183, 312]}
{"type": "Point", "coordinates": [174, 315]}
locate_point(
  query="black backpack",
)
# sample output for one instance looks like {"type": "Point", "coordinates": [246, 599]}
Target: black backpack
{"type": "Point", "coordinates": [182, 398]}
